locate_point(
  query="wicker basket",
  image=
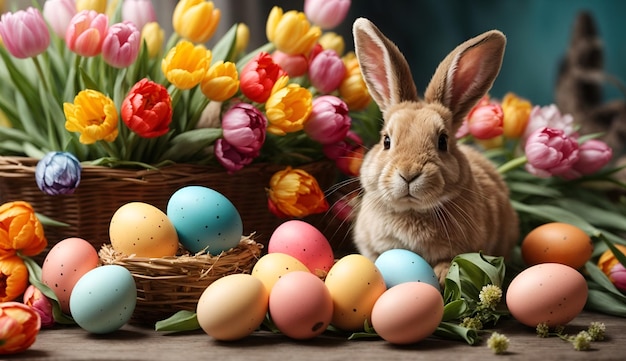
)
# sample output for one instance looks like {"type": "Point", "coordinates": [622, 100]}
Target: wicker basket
{"type": "Point", "coordinates": [103, 190]}
{"type": "Point", "coordinates": [170, 284]}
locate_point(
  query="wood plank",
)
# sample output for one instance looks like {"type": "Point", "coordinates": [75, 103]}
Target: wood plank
{"type": "Point", "coordinates": [140, 343]}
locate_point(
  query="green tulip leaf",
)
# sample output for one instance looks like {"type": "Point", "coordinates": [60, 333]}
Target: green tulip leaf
{"type": "Point", "coordinates": [178, 322]}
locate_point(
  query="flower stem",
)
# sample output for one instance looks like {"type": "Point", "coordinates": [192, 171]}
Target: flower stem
{"type": "Point", "coordinates": [512, 164]}
{"type": "Point", "coordinates": [41, 74]}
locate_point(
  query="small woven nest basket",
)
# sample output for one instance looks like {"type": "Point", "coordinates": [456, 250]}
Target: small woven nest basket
{"type": "Point", "coordinates": [167, 285]}
{"type": "Point", "coordinates": [103, 190]}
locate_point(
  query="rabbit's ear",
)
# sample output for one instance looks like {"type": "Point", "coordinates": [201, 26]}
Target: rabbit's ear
{"type": "Point", "coordinates": [384, 68]}
{"type": "Point", "coordinates": [467, 73]}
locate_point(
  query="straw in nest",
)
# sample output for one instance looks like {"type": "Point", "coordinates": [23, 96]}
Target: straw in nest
{"type": "Point", "coordinates": [167, 285]}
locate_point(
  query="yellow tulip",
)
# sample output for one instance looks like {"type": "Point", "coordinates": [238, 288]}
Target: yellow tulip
{"type": "Point", "coordinates": [4, 120]}
{"type": "Point", "coordinates": [333, 41]}
{"type": "Point", "coordinates": [93, 115]}
{"type": "Point", "coordinates": [243, 38]}
{"type": "Point", "coordinates": [353, 90]}
{"type": "Point", "coordinates": [295, 193]}
{"type": "Point", "coordinates": [97, 5]}
{"type": "Point", "coordinates": [516, 114]}
{"type": "Point", "coordinates": [288, 107]}
{"type": "Point", "coordinates": [221, 81]}
{"type": "Point", "coordinates": [154, 36]}
{"type": "Point", "coordinates": [185, 64]}
{"type": "Point", "coordinates": [195, 20]}
{"type": "Point", "coordinates": [291, 32]}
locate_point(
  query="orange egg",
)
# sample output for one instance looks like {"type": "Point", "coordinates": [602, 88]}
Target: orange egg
{"type": "Point", "coordinates": [557, 243]}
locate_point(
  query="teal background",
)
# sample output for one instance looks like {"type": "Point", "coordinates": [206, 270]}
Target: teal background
{"type": "Point", "coordinates": [538, 33]}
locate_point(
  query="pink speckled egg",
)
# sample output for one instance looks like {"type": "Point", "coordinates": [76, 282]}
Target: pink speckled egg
{"type": "Point", "coordinates": [550, 293]}
{"type": "Point", "coordinates": [305, 243]}
{"type": "Point", "coordinates": [65, 264]}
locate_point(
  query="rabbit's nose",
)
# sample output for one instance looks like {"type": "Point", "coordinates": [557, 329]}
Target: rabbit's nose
{"type": "Point", "coordinates": [410, 178]}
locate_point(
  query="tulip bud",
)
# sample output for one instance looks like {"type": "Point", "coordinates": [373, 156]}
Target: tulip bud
{"type": "Point", "coordinates": [59, 13]}
{"type": "Point", "coordinates": [138, 12]}
{"type": "Point", "coordinates": [516, 114]}
{"type": "Point", "coordinates": [485, 121]}
{"type": "Point", "coordinates": [154, 36]}
{"type": "Point", "coordinates": [121, 44]}
{"type": "Point", "coordinates": [24, 33]}
{"type": "Point", "coordinates": [195, 20]}
{"type": "Point", "coordinates": [295, 65]}
{"type": "Point", "coordinates": [326, 13]}
{"type": "Point", "coordinates": [618, 276]}
{"type": "Point", "coordinates": [85, 33]}
{"type": "Point", "coordinates": [58, 173]}
{"type": "Point", "coordinates": [36, 300]}
{"type": "Point", "coordinates": [230, 157]}
{"type": "Point", "coordinates": [244, 128]}
{"type": "Point", "coordinates": [221, 81]}
{"type": "Point", "coordinates": [99, 6]}
{"type": "Point", "coordinates": [327, 71]}
{"type": "Point", "coordinates": [291, 32]}
{"type": "Point", "coordinates": [329, 121]}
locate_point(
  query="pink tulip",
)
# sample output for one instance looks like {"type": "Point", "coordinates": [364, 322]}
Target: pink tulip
{"type": "Point", "coordinates": [229, 157]}
{"type": "Point", "coordinates": [85, 33]}
{"type": "Point", "coordinates": [59, 13]}
{"type": "Point", "coordinates": [549, 117]}
{"type": "Point", "coordinates": [19, 327]}
{"type": "Point", "coordinates": [36, 300]}
{"type": "Point", "coordinates": [550, 152]}
{"type": "Point", "coordinates": [138, 12]}
{"type": "Point", "coordinates": [326, 14]}
{"type": "Point", "coordinates": [593, 155]}
{"type": "Point", "coordinates": [618, 276]}
{"type": "Point", "coordinates": [329, 121]}
{"type": "Point", "coordinates": [486, 121]}
{"type": "Point", "coordinates": [24, 33]}
{"type": "Point", "coordinates": [327, 71]}
{"type": "Point", "coordinates": [121, 45]}
{"type": "Point", "coordinates": [244, 127]}
{"type": "Point", "coordinates": [295, 65]}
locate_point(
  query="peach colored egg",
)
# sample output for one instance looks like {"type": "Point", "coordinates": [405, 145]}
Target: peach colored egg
{"type": "Point", "coordinates": [300, 305]}
{"type": "Point", "coordinates": [550, 293]}
{"type": "Point", "coordinates": [354, 283]}
{"type": "Point", "coordinates": [557, 243]}
{"type": "Point", "coordinates": [408, 312]}
{"type": "Point", "coordinates": [232, 307]}
{"type": "Point", "coordinates": [65, 264]}
{"type": "Point", "coordinates": [304, 242]}
{"type": "Point", "coordinates": [272, 266]}
{"type": "Point", "coordinates": [143, 230]}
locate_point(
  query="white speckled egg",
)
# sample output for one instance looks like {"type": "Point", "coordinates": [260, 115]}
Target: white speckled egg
{"type": "Point", "coordinates": [204, 219]}
{"type": "Point", "coordinates": [550, 293]}
{"type": "Point", "coordinates": [65, 264]}
{"type": "Point", "coordinates": [104, 299]}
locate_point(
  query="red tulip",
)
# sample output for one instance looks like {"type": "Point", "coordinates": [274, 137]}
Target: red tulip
{"type": "Point", "coordinates": [147, 109]}
{"type": "Point", "coordinates": [257, 78]}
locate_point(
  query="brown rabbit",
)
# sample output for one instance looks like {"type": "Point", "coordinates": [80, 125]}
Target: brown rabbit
{"type": "Point", "coordinates": [421, 190]}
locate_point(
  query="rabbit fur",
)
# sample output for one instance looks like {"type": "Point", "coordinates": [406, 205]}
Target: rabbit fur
{"type": "Point", "coordinates": [422, 191]}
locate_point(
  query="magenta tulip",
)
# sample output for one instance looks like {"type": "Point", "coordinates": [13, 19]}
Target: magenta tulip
{"type": "Point", "coordinates": [593, 155]}
{"type": "Point", "coordinates": [244, 128]}
{"type": "Point", "coordinates": [329, 121]}
{"type": "Point", "coordinates": [327, 71]}
{"type": "Point", "coordinates": [121, 45]}
{"type": "Point", "coordinates": [231, 158]}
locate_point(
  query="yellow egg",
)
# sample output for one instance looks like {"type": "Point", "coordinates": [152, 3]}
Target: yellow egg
{"type": "Point", "coordinates": [232, 307]}
{"type": "Point", "coordinates": [143, 230]}
{"type": "Point", "coordinates": [271, 267]}
{"type": "Point", "coordinates": [355, 283]}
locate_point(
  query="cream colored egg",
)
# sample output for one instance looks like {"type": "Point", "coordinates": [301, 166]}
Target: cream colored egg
{"type": "Point", "coordinates": [143, 230]}
{"type": "Point", "coordinates": [271, 267]}
{"type": "Point", "coordinates": [355, 283]}
{"type": "Point", "coordinates": [232, 307]}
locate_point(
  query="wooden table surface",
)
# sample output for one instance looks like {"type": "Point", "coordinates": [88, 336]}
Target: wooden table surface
{"type": "Point", "coordinates": [140, 343]}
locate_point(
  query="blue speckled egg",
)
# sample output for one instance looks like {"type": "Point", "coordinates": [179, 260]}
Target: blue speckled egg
{"type": "Point", "coordinates": [204, 218]}
{"type": "Point", "coordinates": [104, 299]}
{"type": "Point", "coordinates": [401, 265]}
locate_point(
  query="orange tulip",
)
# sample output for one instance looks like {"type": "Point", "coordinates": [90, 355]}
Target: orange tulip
{"type": "Point", "coordinates": [20, 230]}
{"type": "Point", "coordinates": [295, 193]}
{"type": "Point", "coordinates": [13, 278]}
{"type": "Point", "coordinates": [19, 326]}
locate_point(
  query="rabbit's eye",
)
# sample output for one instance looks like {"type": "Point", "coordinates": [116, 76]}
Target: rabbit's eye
{"type": "Point", "coordinates": [386, 142]}
{"type": "Point", "coordinates": [443, 142]}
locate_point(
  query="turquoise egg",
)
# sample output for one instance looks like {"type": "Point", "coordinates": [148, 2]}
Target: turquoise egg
{"type": "Point", "coordinates": [204, 219]}
{"type": "Point", "coordinates": [400, 265]}
{"type": "Point", "coordinates": [104, 299]}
